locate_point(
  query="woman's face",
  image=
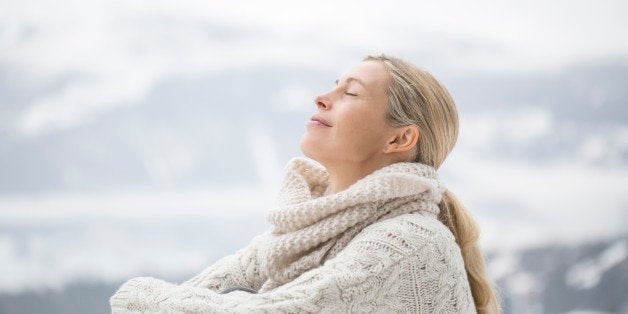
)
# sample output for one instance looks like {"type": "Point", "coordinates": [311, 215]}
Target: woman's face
{"type": "Point", "coordinates": [355, 110]}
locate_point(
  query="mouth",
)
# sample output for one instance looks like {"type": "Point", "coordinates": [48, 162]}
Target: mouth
{"type": "Point", "coordinates": [318, 120]}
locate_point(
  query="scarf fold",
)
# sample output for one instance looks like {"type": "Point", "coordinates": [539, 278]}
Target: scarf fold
{"type": "Point", "coordinates": [310, 227]}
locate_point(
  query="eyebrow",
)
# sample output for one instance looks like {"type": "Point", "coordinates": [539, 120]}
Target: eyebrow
{"type": "Point", "coordinates": [352, 79]}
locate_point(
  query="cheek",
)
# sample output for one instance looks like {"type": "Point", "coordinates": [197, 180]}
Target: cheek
{"type": "Point", "coordinates": [361, 130]}
{"type": "Point", "coordinates": [356, 136]}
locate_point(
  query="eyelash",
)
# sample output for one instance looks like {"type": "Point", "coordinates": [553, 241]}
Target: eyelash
{"type": "Point", "coordinates": [347, 93]}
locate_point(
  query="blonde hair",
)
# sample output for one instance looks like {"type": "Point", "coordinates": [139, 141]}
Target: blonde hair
{"type": "Point", "coordinates": [416, 98]}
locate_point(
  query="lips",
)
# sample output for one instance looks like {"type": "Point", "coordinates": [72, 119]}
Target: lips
{"type": "Point", "coordinates": [320, 119]}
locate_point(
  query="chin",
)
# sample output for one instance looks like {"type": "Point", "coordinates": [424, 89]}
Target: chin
{"type": "Point", "coordinates": [308, 149]}
{"type": "Point", "coordinates": [305, 149]}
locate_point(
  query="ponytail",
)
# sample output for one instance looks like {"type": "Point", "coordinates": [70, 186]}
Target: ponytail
{"type": "Point", "coordinates": [415, 97]}
{"type": "Point", "coordinates": [466, 232]}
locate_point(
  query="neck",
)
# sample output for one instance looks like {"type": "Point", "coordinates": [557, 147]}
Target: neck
{"type": "Point", "coordinates": [342, 176]}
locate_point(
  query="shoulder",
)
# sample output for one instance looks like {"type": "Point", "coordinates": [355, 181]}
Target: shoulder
{"type": "Point", "coordinates": [404, 236]}
{"type": "Point", "coordinates": [413, 250]}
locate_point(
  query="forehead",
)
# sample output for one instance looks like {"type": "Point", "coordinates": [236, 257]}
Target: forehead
{"type": "Point", "coordinates": [370, 73]}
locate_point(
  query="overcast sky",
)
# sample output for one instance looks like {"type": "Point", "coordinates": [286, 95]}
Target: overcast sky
{"type": "Point", "coordinates": [121, 49]}
{"type": "Point", "coordinates": [541, 156]}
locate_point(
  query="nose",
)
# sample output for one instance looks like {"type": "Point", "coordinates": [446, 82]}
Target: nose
{"type": "Point", "coordinates": [322, 101]}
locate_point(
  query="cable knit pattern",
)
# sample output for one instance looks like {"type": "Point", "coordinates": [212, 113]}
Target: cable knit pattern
{"type": "Point", "coordinates": [375, 247]}
{"type": "Point", "coordinates": [310, 228]}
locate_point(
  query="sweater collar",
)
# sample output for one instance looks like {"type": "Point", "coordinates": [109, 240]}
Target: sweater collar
{"type": "Point", "coordinates": [305, 183]}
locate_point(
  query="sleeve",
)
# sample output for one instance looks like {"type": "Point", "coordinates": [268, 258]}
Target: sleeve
{"type": "Point", "coordinates": [370, 275]}
{"type": "Point", "coordinates": [314, 291]}
{"type": "Point", "coordinates": [241, 269]}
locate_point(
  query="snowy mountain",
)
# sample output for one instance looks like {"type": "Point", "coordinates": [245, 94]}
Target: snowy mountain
{"type": "Point", "coordinates": [199, 129]}
{"type": "Point", "coordinates": [564, 278]}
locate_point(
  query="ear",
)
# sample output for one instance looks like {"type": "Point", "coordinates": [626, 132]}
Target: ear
{"type": "Point", "coordinates": [403, 139]}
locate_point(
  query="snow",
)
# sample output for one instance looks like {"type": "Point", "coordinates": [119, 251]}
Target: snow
{"type": "Point", "coordinates": [587, 274]}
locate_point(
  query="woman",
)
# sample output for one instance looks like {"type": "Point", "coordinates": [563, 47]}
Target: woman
{"type": "Point", "coordinates": [372, 231]}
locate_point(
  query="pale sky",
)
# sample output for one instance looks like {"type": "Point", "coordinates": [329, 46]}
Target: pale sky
{"type": "Point", "coordinates": [77, 61]}
{"type": "Point", "coordinates": [120, 49]}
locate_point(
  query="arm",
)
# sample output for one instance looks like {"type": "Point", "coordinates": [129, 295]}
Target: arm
{"type": "Point", "coordinates": [150, 295]}
{"type": "Point", "coordinates": [362, 278]}
{"type": "Point", "coordinates": [314, 291]}
{"type": "Point", "coordinates": [241, 269]}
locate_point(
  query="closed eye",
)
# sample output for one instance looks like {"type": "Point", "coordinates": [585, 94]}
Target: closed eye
{"type": "Point", "coordinates": [346, 93]}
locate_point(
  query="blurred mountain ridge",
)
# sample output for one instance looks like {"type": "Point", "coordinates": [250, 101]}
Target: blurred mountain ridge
{"type": "Point", "coordinates": [191, 130]}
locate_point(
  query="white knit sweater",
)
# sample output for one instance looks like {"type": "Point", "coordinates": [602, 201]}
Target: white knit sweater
{"type": "Point", "coordinates": [374, 247]}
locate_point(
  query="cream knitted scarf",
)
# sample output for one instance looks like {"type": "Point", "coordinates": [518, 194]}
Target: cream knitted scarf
{"type": "Point", "coordinates": [310, 227]}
